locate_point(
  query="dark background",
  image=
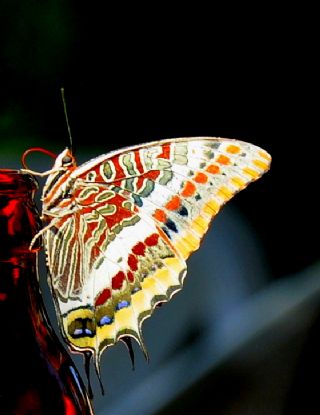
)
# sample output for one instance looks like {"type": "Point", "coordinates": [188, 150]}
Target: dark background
{"type": "Point", "coordinates": [136, 74]}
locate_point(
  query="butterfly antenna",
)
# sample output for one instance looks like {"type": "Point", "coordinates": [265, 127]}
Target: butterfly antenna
{"type": "Point", "coordinates": [66, 117]}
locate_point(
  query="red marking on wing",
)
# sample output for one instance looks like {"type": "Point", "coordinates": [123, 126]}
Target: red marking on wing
{"type": "Point", "coordinates": [117, 280]}
{"type": "Point", "coordinates": [152, 239]}
{"type": "Point", "coordinates": [165, 152]}
{"type": "Point", "coordinates": [3, 296]}
{"type": "Point", "coordinates": [96, 249]}
{"type": "Point", "coordinates": [152, 174]}
{"type": "Point", "coordinates": [138, 162]}
{"type": "Point", "coordinates": [119, 170]}
{"type": "Point", "coordinates": [91, 227]}
{"type": "Point", "coordinates": [103, 297]}
{"type": "Point", "coordinates": [117, 217]}
{"type": "Point", "coordinates": [89, 200]}
{"type": "Point", "coordinates": [130, 276]}
{"type": "Point", "coordinates": [133, 262]}
{"type": "Point", "coordinates": [120, 214]}
{"type": "Point", "coordinates": [140, 182]}
{"type": "Point", "coordinates": [139, 248]}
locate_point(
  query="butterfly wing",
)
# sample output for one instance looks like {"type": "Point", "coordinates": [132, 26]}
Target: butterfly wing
{"type": "Point", "coordinates": [137, 214]}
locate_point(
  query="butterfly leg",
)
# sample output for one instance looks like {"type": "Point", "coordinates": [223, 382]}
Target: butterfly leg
{"type": "Point", "coordinates": [43, 174]}
{"type": "Point", "coordinates": [46, 228]}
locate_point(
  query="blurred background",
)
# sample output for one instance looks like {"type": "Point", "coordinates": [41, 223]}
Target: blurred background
{"type": "Point", "coordinates": [243, 336]}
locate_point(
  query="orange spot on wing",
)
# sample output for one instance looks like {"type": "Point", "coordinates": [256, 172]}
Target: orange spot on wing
{"type": "Point", "coordinates": [213, 169]}
{"type": "Point", "coordinates": [173, 203]}
{"type": "Point", "coordinates": [233, 149]}
{"type": "Point", "coordinates": [223, 159]}
{"type": "Point", "coordinates": [160, 215]}
{"type": "Point", "coordinates": [201, 178]}
{"type": "Point", "coordinates": [188, 190]}
{"type": "Point", "coordinates": [64, 203]}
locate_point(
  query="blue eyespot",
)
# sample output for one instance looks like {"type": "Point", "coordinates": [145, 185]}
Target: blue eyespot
{"type": "Point", "coordinates": [83, 332]}
{"type": "Point", "coordinates": [122, 304]}
{"type": "Point", "coordinates": [105, 320]}
{"type": "Point", "coordinates": [82, 327]}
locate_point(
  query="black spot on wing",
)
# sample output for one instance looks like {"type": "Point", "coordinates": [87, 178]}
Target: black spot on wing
{"type": "Point", "coordinates": [183, 211]}
{"type": "Point", "coordinates": [171, 225]}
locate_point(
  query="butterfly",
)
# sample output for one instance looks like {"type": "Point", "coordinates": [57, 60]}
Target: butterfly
{"type": "Point", "coordinates": [119, 228]}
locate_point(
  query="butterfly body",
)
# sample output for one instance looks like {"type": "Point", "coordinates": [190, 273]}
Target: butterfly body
{"type": "Point", "coordinates": [119, 228]}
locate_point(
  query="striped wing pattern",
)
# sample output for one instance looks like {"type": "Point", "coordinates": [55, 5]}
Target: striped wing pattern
{"type": "Point", "coordinates": [122, 226]}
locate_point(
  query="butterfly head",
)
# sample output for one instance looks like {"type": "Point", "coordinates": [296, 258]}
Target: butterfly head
{"type": "Point", "coordinates": [65, 160]}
